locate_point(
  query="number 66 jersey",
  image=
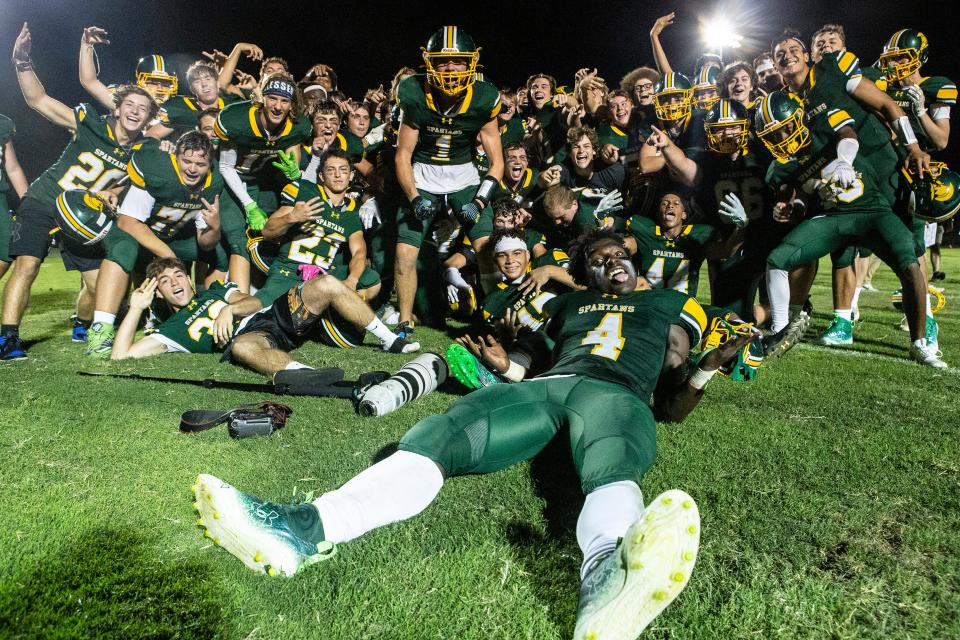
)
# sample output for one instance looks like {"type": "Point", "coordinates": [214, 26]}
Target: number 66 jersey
{"type": "Point", "coordinates": [92, 160]}
{"type": "Point", "coordinates": [619, 338]}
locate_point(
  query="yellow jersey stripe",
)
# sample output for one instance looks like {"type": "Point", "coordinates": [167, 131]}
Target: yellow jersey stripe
{"type": "Point", "coordinates": [947, 93]}
{"type": "Point", "coordinates": [846, 61]}
{"type": "Point", "coordinates": [838, 118]}
{"type": "Point", "coordinates": [136, 176]}
{"type": "Point", "coordinates": [695, 312]}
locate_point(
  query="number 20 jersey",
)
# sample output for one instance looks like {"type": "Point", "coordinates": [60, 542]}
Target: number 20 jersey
{"type": "Point", "coordinates": [92, 160]}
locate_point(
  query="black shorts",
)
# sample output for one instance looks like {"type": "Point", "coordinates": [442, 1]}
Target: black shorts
{"type": "Point", "coordinates": [30, 236]}
{"type": "Point", "coordinates": [287, 324]}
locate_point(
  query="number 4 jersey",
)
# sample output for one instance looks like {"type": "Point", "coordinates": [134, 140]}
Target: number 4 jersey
{"type": "Point", "coordinates": [92, 160]}
{"type": "Point", "coordinates": [190, 329]}
{"type": "Point", "coordinates": [619, 338]}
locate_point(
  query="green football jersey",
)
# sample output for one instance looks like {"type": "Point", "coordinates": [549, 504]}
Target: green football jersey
{"type": "Point", "coordinates": [805, 172]}
{"type": "Point", "coordinates": [181, 113]}
{"type": "Point", "coordinates": [829, 107]}
{"type": "Point", "coordinates": [743, 176]}
{"type": "Point", "coordinates": [513, 131]}
{"type": "Point", "coordinates": [583, 220]}
{"type": "Point", "coordinates": [619, 338]}
{"type": "Point", "coordinates": [937, 90]}
{"type": "Point", "coordinates": [174, 203]}
{"type": "Point", "coordinates": [610, 134]}
{"type": "Point", "coordinates": [7, 131]}
{"type": "Point", "coordinates": [670, 263]}
{"type": "Point", "coordinates": [345, 141]}
{"type": "Point", "coordinates": [528, 306]}
{"type": "Point", "coordinates": [322, 242]}
{"type": "Point", "coordinates": [523, 193]}
{"type": "Point", "coordinates": [190, 330]}
{"type": "Point", "coordinates": [239, 124]}
{"type": "Point", "coordinates": [446, 138]}
{"type": "Point", "coordinates": [91, 160]}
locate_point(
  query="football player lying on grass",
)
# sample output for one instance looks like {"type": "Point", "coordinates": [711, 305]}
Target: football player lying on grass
{"type": "Point", "coordinates": [223, 318]}
{"type": "Point", "coordinates": [615, 346]}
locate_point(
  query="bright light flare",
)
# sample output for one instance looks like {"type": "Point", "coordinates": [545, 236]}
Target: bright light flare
{"type": "Point", "coordinates": [717, 33]}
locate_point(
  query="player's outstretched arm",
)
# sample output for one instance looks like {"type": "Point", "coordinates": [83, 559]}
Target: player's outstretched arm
{"type": "Point", "coordinates": [123, 345]}
{"type": "Point", "coordinates": [677, 394]}
{"type": "Point", "coordinates": [659, 55]}
{"type": "Point", "coordinates": [91, 37]}
{"type": "Point", "coordinates": [33, 92]}
{"type": "Point", "coordinates": [230, 63]}
{"type": "Point", "coordinates": [869, 95]}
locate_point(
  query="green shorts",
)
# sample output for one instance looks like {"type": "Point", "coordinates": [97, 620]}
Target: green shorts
{"type": "Point", "coordinates": [233, 219]}
{"type": "Point", "coordinates": [123, 249]}
{"type": "Point", "coordinates": [412, 231]}
{"type": "Point", "coordinates": [611, 431]}
{"type": "Point", "coordinates": [883, 233]}
{"type": "Point", "coordinates": [284, 276]}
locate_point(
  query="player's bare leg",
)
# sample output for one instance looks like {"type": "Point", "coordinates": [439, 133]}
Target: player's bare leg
{"type": "Point", "coordinates": [253, 350]}
{"type": "Point", "coordinates": [111, 288]}
{"type": "Point", "coordinates": [16, 294]}
{"type": "Point", "coordinates": [240, 272]}
{"type": "Point", "coordinates": [405, 274]}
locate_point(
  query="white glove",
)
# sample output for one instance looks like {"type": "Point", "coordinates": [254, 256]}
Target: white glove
{"type": "Point", "coordinates": [609, 203]}
{"type": "Point", "coordinates": [453, 276]}
{"type": "Point", "coordinates": [917, 101]}
{"type": "Point", "coordinates": [731, 210]}
{"type": "Point", "coordinates": [374, 136]}
{"type": "Point", "coordinates": [369, 211]}
{"type": "Point", "coordinates": [840, 173]}
{"type": "Point", "coordinates": [453, 294]}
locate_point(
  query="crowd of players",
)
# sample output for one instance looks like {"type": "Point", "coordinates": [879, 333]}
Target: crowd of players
{"type": "Point", "coordinates": [254, 213]}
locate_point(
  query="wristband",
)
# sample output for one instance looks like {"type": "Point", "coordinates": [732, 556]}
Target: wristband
{"type": "Point", "coordinates": [485, 190]}
{"type": "Point", "coordinates": [700, 378]}
{"type": "Point", "coordinates": [23, 65]}
{"type": "Point", "coordinates": [909, 137]}
{"type": "Point", "coordinates": [514, 372]}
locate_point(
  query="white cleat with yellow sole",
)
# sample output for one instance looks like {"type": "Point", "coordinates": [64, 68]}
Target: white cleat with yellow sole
{"type": "Point", "coordinates": [646, 572]}
{"type": "Point", "coordinates": [260, 533]}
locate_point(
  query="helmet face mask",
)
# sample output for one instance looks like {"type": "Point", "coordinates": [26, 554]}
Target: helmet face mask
{"type": "Point", "coordinates": [727, 127]}
{"type": "Point", "coordinates": [152, 76]}
{"type": "Point", "coordinates": [903, 54]}
{"type": "Point", "coordinates": [780, 125]}
{"type": "Point", "coordinates": [673, 98]}
{"type": "Point", "coordinates": [706, 93]}
{"type": "Point", "coordinates": [451, 45]}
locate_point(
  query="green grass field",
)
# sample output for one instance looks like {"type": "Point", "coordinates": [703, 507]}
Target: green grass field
{"type": "Point", "coordinates": [829, 490]}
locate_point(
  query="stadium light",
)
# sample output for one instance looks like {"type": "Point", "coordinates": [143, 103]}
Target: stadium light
{"type": "Point", "coordinates": [718, 34]}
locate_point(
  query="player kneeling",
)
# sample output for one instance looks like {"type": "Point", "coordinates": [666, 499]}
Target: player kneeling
{"type": "Point", "coordinates": [615, 348]}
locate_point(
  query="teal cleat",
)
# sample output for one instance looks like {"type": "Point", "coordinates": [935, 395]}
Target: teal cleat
{"type": "Point", "coordinates": [646, 572]}
{"type": "Point", "coordinates": [466, 368]}
{"type": "Point", "coordinates": [265, 536]}
{"type": "Point", "coordinates": [838, 333]}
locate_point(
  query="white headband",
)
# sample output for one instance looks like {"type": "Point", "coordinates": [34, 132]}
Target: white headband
{"type": "Point", "coordinates": [766, 65]}
{"type": "Point", "coordinates": [509, 243]}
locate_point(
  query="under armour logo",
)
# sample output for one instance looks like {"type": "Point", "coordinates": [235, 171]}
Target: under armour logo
{"type": "Point", "coordinates": [264, 513]}
{"type": "Point", "coordinates": [445, 120]}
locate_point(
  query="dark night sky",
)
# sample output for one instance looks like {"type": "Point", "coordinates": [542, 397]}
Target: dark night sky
{"type": "Point", "coordinates": [367, 41]}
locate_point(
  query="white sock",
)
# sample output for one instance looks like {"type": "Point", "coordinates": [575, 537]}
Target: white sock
{"type": "Point", "coordinates": [107, 319]}
{"type": "Point", "coordinates": [929, 309]}
{"type": "Point", "coordinates": [856, 297]}
{"type": "Point", "coordinates": [381, 331]}
{"type": "Point", "coordinates": [394, 489]}
{"type": "Point", "coordinates": [606, 515]}
{"type": "Point", "coordinates": [921, 343]}
{"type": "Point", "coordinates": [778, 290]}
{"type": "Point", "coordinates": [297, 365]}
{"type": "Point", "coordinates": [846, 314]}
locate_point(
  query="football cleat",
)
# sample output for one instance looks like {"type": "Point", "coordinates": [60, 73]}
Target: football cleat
{"type": "Point", "coordinates": [401, 345]}
{"type": "Point", "coordinates": [12, 349]}
{"type": "Point", "coordinates": [405, 329]}
{"type": "Point", "coordinates": [100, 340]}
{"type": "Point", "coordinates": [839, 333]}
{"type": "Point", "coordinates": [927, 356]}
{"type": "Point", "coordinates": [80, 328]}
{"type": "Point", "coordinates": [649, 568]}
{"type": "Point", "coordinates": [780, 125]}
{"type": "Point", "coordinates": [265, 536]}
{"type": "Point", "coordinates": [468, 369]}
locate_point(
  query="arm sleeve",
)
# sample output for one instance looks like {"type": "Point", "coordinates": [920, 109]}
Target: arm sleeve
{"type": "Point", "coordinates": [228, 167]}
{"type": "Point", "coordinates": [310, 173]}
{"type": "Point", "coordinates": [137, 204]}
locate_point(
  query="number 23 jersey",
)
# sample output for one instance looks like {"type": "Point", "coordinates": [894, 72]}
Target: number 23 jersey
{"type": "Point", "coordinates": [619, 338]}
